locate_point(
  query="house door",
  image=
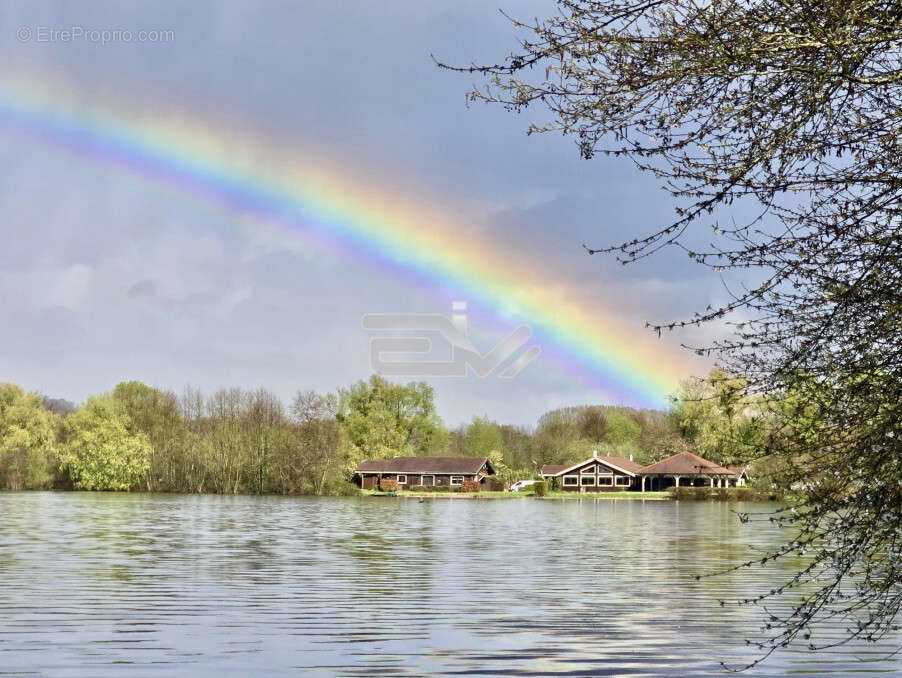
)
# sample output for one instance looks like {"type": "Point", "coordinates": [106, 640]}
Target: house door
{"type": "Point", "coordinates": [429, 480]}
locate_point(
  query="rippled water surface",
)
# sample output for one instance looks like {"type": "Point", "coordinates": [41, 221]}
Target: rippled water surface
{"type": "Point", "coordinates": [97, 584]}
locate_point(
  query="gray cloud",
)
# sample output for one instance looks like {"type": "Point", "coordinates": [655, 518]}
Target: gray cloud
{"type": "Point", "coordinates": [107, 275]}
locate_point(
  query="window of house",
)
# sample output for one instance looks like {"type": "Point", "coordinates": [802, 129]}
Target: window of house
{"type": "Point", "coordinates": [571, 480]}
{"type": "Point", "coordinates": [457, 480]}
{"type": "Point", "coordinates": [428, 480]}
{"type": "Point", "coordinates": [588, 480]}
{"type": "Point", "coordinates": [588, 470]}
{"type": "Point", "coordinates": [623, 480]}
{"type": "Point", "coordinates": [402, 480]}
{"type": "Point", "coordinates": [605, 480]}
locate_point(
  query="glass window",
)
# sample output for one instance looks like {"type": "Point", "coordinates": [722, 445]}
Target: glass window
{"type": "Point", "coordinates": [457, 480]}
{"type": "Point", "coordinates": [588, 470]}
{"type": "Point", "coordinates": [623, 480]}
{"type": "Point", "coordinates": [402, 480]}
{"type": "Point", "coordinates": [605, 480]}
{"type": "Point", "coordinates": [571, 480]}
{"type": "Point", "coordinates": [588, 480]}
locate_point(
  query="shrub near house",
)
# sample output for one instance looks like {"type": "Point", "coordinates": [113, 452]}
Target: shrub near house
{"type": "Point", "coordinates": [388, 485]}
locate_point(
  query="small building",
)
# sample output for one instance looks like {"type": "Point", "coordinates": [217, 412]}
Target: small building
{"type": "Point", "coordinates": [595, 474]}
{"type": "Point", "coordinates": [426, 471]}
{"type": "Point", "coordinates": [685, 469]}
{"type": "Point", "coordinates": [742, 474]}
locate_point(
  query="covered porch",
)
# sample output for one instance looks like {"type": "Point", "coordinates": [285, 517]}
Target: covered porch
{"type": "Point", "coordinates": [661, 481]}
{"type": "Point", "coordinates": [685, 469]}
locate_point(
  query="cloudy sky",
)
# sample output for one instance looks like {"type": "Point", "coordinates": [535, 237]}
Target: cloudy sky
{"type": "Point", "coordinates": [108, 274]}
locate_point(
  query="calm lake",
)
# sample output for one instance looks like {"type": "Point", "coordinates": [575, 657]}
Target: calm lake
{"type": "Point", "coordinates": [216, 586]}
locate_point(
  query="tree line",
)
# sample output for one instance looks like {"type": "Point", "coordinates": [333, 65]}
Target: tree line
{"type": "Point", "coordinates": [138, 437]}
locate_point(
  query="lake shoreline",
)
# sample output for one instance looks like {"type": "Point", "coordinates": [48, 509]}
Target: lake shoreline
{"type": "Point", "coordinates": [686, 494]}
{"type": "Point", "coordinates": [694, 494]}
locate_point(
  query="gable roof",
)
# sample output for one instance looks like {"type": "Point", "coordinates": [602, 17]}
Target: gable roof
{"type": "Point", "coordinates": [622, 463]}
{"type": "Point", "coordinates": [686, 463]}
{"type": "Point", "coordinates": [440, 465]}
{"type": "Point", "coordinates": [740, 470]}
{"type": "Point", "coordinates": [617, 463]}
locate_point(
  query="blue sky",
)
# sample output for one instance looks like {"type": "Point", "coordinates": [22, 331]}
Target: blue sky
{"type": "Point", "coordinates": [106, 276]}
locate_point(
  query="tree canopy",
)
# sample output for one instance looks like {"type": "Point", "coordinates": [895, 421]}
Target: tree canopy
{"type": "Point", "coordinates": [100, 452]}
{"type": "Point", "coordinates": [484, 439]}
{"type": "Point", "coordinates": [247, 441]}
{"type": "Point", "coordinates": [27, 440]}
{"type": "Point", "coordinates": [384, 419]}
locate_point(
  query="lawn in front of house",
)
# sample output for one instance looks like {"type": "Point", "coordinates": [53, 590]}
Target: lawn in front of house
{"type": "Point", "coordinates": [527, 492]}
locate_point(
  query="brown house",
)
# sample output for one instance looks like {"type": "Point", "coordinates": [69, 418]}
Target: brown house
{"type": "Point", "coordinates": [427, 471]}
{"type": "Point", "coordinates": [595, 474]}
{"type": "Point", "coordinates": [602, 474]}
{"type": "Point", "coordinates": [685, 469]}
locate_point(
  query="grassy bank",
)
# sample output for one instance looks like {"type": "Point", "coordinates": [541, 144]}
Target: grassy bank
{"type": "Point", "coordinates": [525, 494]}
{"type": "Point", "coordinates": [445, 495]}
{"type": "Point", "coordinates": [683, 493]}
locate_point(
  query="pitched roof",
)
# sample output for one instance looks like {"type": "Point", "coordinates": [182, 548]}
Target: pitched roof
{"type": "Point", "coordinates": [618, 463]}
{"type": "Point", "coordinates": [686, 463]}
{"type": "Point", "coordinates": [553, 469]}
{"type": "Point", "coordinates": [462, 465]}
{"type": "Point", "coordinates": [623, 463]}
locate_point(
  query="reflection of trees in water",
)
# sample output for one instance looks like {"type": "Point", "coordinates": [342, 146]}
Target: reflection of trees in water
{"type": "Point", "coordinates": [111, 536]}
{"type": "Point", "coordinates": [521, 585]}
{"type": "Point", "coordinates": [614, 576]}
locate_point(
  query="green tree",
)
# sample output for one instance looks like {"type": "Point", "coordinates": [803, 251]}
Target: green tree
{"type": "Point", "coordinates": [321, 455]}
{"type": "Point", "coordinates": [225, 450]}
{"type": "Point", "coordinates": [264, 426]}
{"type": "Point", "coordinates": [190, 472]}
{"type": "Point", "coordinates": [719, 420]}
{"type": "Point", "coordinates": [484, 439]}
{"type": "Point", "coordinates": [383, 420]}
{"type": "Point", "coordinates": [27, 440]}
{"type": "Point", "coordinates": [156, 414]}
{"type": "Point", "coordinates": [660, 438]}
{"type": "Point", "coordinates": [593, 423]}
{"type": "Point", "coordinates": [557, 439]}
{"type": "Point", "coordinates": [100, 450]}
{"type": "Point", "coordinates": [621, 431]}
{"type": "Point", "coordinates": [519, 448]}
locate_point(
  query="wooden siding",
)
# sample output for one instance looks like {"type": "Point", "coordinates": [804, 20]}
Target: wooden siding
{"type": "Point", "coordinates": [370, 481]}
{"type": "Point", "coordinates": [605, 471]}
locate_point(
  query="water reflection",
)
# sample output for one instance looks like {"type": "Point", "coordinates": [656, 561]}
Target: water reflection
{"type": "Point", "coordinates": [212, 585]}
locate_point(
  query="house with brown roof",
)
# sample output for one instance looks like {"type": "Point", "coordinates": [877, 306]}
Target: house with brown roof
{"type": "Point", "coordinates": [426, 471]}
{"type": "Point", "coordinates": [686, 469]}
{"type": "Point", "coordinates": [602, 474]}
{"type": "Point", "coordinates": [595, 474]}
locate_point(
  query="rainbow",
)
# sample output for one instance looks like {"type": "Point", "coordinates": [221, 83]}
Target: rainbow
{"type": "Point", "coordinates": [312, 199]}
